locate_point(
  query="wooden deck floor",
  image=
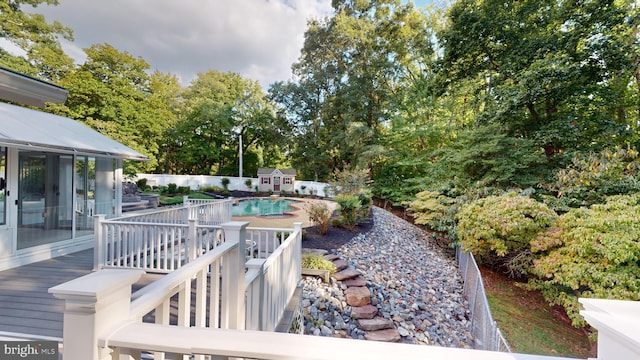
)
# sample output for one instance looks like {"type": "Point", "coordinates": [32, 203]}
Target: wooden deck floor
{"type": "Point", "coordinates": [26, 307]}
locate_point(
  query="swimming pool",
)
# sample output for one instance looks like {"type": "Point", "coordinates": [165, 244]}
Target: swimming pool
{"type": "Point", "coordinates": [262, 207]}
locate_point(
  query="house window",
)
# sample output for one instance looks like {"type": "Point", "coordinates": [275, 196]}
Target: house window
{"type": "Point", "coordinates": [287, 181]}
{"type": "Point", "coordinates": [266, 180]}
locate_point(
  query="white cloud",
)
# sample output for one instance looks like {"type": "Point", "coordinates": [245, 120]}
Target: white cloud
{"type": "Point", "coordinates": [258, 39]}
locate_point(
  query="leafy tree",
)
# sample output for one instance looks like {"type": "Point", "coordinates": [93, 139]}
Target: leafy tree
{"type": "Point", "coordinates": [353, 70]}
{"type": "Point", "coordinates": [217, 109]}
{"type": "Point", "coordinates": [591, 177]}
{"type": "Point", "coordinates": [31, 33]}
{"type": "Point", "coordinates": [112, 93]}
{"type": "Point", "coordinates": [542, 61]}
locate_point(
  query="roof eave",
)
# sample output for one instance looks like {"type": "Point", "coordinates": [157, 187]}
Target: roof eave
{"type": "Point", "coordinates": [27, 90]}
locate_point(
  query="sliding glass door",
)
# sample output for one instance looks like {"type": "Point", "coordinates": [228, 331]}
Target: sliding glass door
{"type": "Point", "coordinates": [45, 198]}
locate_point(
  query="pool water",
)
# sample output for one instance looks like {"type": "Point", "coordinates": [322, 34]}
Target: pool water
{"type": "Point", "coordinates": [262, 207]}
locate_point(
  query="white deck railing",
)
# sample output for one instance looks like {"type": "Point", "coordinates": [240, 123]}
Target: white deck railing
{"type": "Point", "coordinates": [162, 240]}
{"type": "Point", "coordinates": [271, 282]}
{"type": "Point", "coordinates": [212, 291]}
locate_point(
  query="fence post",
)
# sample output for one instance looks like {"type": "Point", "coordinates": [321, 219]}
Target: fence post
{"type": "Point", "coordinates": [233, 304]}
{"type": "Point", "coordinates": [99, 243]}
{"type": "Point", "coordinates": [93, 305]}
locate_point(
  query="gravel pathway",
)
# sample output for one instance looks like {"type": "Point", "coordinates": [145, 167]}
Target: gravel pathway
{"type": "Point", "coordinates": [411, 283]}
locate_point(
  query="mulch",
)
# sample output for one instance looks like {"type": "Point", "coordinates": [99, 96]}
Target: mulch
{"type": "Point", "coordinates": [336, 236]}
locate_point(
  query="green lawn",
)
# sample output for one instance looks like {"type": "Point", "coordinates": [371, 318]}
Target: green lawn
{"type": "Point", "coordinates": [529, 324]}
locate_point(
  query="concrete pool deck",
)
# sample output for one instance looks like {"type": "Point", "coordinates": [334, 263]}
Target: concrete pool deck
{"type": "Point", "coordinates": [299, 215]}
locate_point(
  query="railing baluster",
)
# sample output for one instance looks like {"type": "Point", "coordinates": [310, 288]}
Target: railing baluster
{"type": "Point", "coordinates": [201, 299]}
{"type": "Point", "coordinates": [214, 294]}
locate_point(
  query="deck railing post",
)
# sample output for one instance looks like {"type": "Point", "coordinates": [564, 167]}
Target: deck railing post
{"type": "Point", "coordinates": [297, 227]}
{"type": "Point", "coordinates": [186, 209]}
{"type": "Point", "coordinates": [192, 241]}
{"type": "Point", "coordinates": [233, 303]}
{"type": "Point", "coordinates": [94, 305]}
{"type": "Point", "coordinates": [99, 243]}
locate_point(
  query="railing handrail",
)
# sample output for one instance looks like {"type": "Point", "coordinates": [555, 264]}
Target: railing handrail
{"type": "Point", "coordinates": [142, 223]}
{"type": "Point", "coordinates": [254, 228]}
{"type": "Point", "coordinates": [279, 250]}
{"type": "Point", "coordinates": [189, 203]}
{"type": "Point", "coordinates": [233, 343]}
{"type": "Point", "coordinates": [153, 294]}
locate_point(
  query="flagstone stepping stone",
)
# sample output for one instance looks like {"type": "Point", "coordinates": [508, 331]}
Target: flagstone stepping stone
{"type": "Point", "coordinates": [346, 274]}
{"type": "Point", "coordinates": [331, 257]}
{"type": "Point", "coordinates": [340, 264]}
{"type": "Point", "coordinates": [355, 282]}
{"type": "Point", "coordinates": [377, 323]}
{"type": "Point", "coordinates": [386, 335]}
{"type": "Point", "coordinates": [358, 296]}
{"type": "Point", "coordinates": [364, 312]}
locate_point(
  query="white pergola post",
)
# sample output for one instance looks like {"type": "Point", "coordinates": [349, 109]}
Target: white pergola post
{"type": "Point", "coordinates": [94, 305]}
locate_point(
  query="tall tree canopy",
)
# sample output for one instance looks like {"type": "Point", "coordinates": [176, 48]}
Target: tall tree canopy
{"type": "Point", "coordinates": [553, 71]}
{"type": "Point", "coordinates": [219, 108]}
{"type": "Point", "coordinates": [36, 38]}
{"type": "Point", "coordinates": [113, 93]}
{"type": "Point", "coordinates": [352, 74]}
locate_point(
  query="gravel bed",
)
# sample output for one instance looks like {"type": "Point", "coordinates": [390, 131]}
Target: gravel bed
{"type": "Point", "coordinates": [413, 284]}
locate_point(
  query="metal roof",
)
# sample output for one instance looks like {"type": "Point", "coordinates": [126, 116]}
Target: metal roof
{"type": "Point", "coordinates": [30, 129]}
{"type": "Point", "coordinates": [24, 89]}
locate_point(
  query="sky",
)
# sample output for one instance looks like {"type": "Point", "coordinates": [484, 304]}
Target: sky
{"type": "Point", "coordinates": [258, 39]}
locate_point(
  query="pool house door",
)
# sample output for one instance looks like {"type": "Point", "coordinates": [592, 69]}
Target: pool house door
{"type": "Point", "coordinates": [276, 183]}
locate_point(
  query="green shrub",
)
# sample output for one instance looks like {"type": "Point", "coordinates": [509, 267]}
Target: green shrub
{"type": "Point", "coordinates": [172, 189]}
{"type": "Point", "coordinates": [365, 202]}
{"type": "Point", "coordinates": [210, 188]}
{"type": "Point", "coordinates": [590, 252]}
{"type": "Point", "coordinates": [499, 230]}
{"type": "Point", "coordinates": [350, 207]}
{"type": "Point", "coordinates": [319, 215]}
{"type": "Point", "coordinates": [184, 190]}
{"type": "Point", "coordinates": [142, 184]}
{"type": "Point", "coordinates": [225, 183]}
{"type": "Point", "coordinates": [248, 183]}
{"type": "Point", "coordinates": [435, 210]}
{"type": "Point", "coordinates": [317, 262]}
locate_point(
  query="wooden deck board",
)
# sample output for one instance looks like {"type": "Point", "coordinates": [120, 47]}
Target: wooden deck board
{"type": "Point", "coordinates": [26, 307]}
